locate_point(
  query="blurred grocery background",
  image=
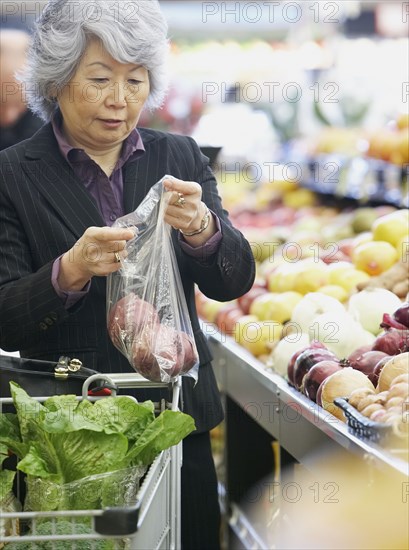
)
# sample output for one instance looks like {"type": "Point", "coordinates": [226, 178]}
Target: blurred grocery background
{"type": "Point", "coordinates": [303, 108]}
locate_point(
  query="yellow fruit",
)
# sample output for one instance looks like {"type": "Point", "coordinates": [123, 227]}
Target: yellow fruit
{"type": "Point", "coordinates": [210, 309]}
{"type": "Point", "coordinates": [283, 186]}
{"type": "Point", "coordinates": [282, 279]}
{"type": "Point", "coordinates": [312, 278]}
{"type": "Point", "coordinates": [261, 304]}
{"type": "Point", "coordinates": [352, 278]}
{"type": "Point", "coordinates": [337, 270]}
{"type": "Point", "coordinates": [336, 291]}
{"type": "Point", "coordinates": [258, 337]}
{"type": "Point", "coordinates": [374, 257]}
{"type": "Point", "coordinates": [299, 198]}
{"type": "Point", "coordinates": [363, 237]}
{"type": "Point", "coordinates": [281, 306]}
{"type": "Point", "coordinates": [238, 330]}
{"type": "Point", "coordinates": [390, 228]}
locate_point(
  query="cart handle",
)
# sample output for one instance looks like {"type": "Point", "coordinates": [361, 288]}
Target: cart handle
{"type": "Point", "coordinates": [93, 378]}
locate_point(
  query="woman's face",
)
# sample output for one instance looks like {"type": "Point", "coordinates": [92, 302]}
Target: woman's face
{"type": "Point", "coordinates": [102, 102]}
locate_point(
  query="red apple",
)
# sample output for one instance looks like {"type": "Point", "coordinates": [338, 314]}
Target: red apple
{"type": "Point", "coordinates": [224, 312]}
{"type": "Point", "coordinates": [346, 246]}
{"type": "Point", "coordinates": [128, 317]}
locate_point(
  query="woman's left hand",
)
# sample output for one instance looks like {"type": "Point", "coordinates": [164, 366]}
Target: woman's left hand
{"type": "Point", "coordinates": [185, 209]}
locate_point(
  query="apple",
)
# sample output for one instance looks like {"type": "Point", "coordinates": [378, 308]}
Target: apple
{"type": "Point", "coordinates": [312, 277]}
{"type": "Point", "coordinates": [241, 323]}
{"type": "Point", "coordinates": [281, 305]}
{"type": "Point", "coordinates": [330, 255]}
{"type": "Point", "coordinates": [345, 246]}
{"type": "Point", "coordinates": [211, 308]}
{"type": "Point", "coordinates": [351, 279]}
{"type": "Point", "coordinates": [128, 317]}
{"type": "Point", "coordinates": [164, 354]}
{"type": "Point", "coordinates": [363, 219]}
{"type": "Point", "coordinates": [390, 228]}
{"type": "Point", "coordinates": [227, 318]}
{"type": "Point", "coordinates": [281, 279]}
{"type": "Point", "coordinates": [337, 270]}
{"type": "Point", "coordinates": [374, 257]}
{"type": "Point", "coordinates": [258, 337]}
{"type": "Point", "coordinates": [260, 304]}
{"type": "Point", "coordinates": [247, 299]}
{"type": "Point", "coordinates": [336, 291]}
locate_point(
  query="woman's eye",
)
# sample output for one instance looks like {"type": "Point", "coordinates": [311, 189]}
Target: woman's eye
{"type": "Point", "coordinates": [134, 82]}
{"type": "Point", "coordinates": [99, 80]}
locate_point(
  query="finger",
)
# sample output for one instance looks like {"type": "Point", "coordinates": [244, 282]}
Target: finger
{"type": "Point", "coordinates": [177, 222]}
{"type": "Point", "coordinates": [180, 186]}
{"type": "Point", "coordinates": [116, 246]}
{"type": "Point", "coordinates": [110, 233]}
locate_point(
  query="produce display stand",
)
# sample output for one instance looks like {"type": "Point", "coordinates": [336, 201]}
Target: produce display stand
{"type": "Point", "coordinates": [261, 407]}
{"type": "Point", "coordinates": [153, 521]}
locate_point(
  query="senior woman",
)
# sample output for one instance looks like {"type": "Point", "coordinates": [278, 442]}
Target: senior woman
{"type": "Point", "coordinates": [92, 68]}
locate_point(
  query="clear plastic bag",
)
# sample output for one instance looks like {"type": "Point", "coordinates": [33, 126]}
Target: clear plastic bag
{"type": "Point", "coordinates": [147, 315]}
{"type": "Point", "coordinates": [110, 489]}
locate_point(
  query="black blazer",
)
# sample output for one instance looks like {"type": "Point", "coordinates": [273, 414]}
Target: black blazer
{"type": "Point", "coordinates": [44, 211]}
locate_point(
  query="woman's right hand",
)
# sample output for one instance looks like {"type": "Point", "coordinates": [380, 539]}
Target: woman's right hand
{"type": "Point", "coordinates": [96, 253]}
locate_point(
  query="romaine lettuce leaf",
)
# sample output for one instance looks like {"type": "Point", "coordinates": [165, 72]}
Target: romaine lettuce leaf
{"type": "Point", "coordinates": [166, 430]}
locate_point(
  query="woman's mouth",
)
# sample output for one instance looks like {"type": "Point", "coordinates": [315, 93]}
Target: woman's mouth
{"type": "Point", "coordinates": [111, 122]}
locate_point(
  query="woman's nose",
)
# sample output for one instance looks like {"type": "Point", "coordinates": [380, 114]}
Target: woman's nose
{"type": "Point", "coordinates": [118, 94]}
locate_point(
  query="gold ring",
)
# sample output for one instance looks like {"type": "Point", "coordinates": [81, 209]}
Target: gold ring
{"type": "Point", "coordinates": [117, 257]}
{"type": "Point", "coordinates": [181, 200]}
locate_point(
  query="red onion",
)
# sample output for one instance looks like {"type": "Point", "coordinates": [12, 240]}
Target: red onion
{"type": "Point", "coordinates": [401, 315]}
{"type": "Point", "coordinates": [307, 360]}
{"type": "Point", "coordinates": [366, 362]}
{"type": "Point", "coordinates": [316, 375]}
{"type": "Point", "coordinates": [389, 322]}
{"type": "Point", "coordinates": [357, 353]}
{"type": "Point", "coordinates": [392, 341]}
{"type": "Point", "coordinates": [290, 369]}
{"type": "Point", "coordinates": [374, 376]}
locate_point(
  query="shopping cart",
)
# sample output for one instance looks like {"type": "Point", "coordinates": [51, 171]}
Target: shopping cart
{"type": "Point", "coordinates": [151, 522]}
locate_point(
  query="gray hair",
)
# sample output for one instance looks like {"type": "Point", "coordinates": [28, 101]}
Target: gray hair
{"type": "Point", "coordinates": [132, 31]}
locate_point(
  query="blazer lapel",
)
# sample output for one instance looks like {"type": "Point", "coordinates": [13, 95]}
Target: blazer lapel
{"type": "Point", "coordinates": [56, 181]}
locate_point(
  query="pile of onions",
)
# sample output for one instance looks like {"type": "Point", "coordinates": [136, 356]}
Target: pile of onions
{"type": "Point", "coordinates": [341, 384]}
{"type": "Point", "coordinates": [369, 306]}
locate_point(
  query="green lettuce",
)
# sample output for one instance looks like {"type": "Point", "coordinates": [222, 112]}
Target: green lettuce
{"type": "Point", "coordinates": [65, 440]}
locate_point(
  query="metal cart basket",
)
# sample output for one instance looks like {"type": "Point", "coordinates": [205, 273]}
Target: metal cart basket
{"type": "Point", "coordinates": [152, 522]}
